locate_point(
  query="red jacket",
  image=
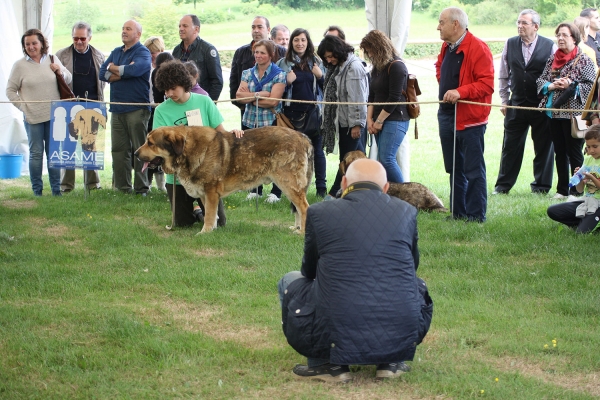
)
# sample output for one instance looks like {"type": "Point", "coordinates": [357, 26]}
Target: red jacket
{"type": "Point", "coordinates": [476, 81]}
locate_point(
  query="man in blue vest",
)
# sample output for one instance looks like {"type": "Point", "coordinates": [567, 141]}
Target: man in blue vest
{"type": "Point", "coordinates": [523, 60]}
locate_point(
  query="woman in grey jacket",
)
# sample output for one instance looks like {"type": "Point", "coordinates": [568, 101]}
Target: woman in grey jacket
{"type": "Point", "coordinates": [345, 82]}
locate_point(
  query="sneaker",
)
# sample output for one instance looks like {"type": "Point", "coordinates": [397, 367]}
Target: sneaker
{"type": "Point", "coordinates": [272, 198]}
{"type": "Point", "coordinates": [252, 196]}
{"type": "Point", "coordinates": [321, 193]}
{"type": "Point", "coordinates": [559, 196]}
{"type": "Point", "coordinates": [327, 373]}
{"type": "Point", "coordinates": [572, 197]}
{"type": "Point", "coordinates": [391, 370]}
{"type": "Point", "coordinates": [499, 191]}
{"type": "Point", "coordinates": [328, 198]}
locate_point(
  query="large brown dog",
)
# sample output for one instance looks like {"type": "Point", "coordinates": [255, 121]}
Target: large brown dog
{"type": "Point", "coordinates": [412, 192]}
{"type": "Point", "coordinates": [211, 165]}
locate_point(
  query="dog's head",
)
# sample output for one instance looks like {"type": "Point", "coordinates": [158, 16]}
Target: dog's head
{"type": "Point", "coordinates": [349, 158]}
{"type": "Point", "coordinates": [162, 146]}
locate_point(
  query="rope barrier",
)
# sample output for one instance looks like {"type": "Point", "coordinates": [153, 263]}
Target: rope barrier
{"type": "Point", "coordinates": [256, 98]}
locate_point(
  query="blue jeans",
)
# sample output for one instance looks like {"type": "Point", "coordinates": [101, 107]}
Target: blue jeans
{"type": "Point", "coordinates": [39, 141]}
{"type": "Point", "coordinates": [388, 141]}
{"type": "Point", "coordinates": [281, 288]}
{"type": "Point", "coordinates": [320, 163]}
{"type": "Point", "coordinates": [470, 184]}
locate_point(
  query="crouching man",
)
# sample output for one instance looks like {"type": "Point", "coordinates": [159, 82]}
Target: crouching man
{"type": "Point", "coordinates": [357, 299]}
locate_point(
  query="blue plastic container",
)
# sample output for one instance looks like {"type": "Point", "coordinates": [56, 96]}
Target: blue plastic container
{"type": "Point", "coordinates": [10, 166]}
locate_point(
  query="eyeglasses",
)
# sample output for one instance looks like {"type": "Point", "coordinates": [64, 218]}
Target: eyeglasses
{"type": "Point", "coordinates": [79, 39]}
{"type": "Point", "coordinates": [562, 35]}
{"type": "Point", "coordinates": [524, 23]}
{"type": "Point", "coordinates": [80, 70]}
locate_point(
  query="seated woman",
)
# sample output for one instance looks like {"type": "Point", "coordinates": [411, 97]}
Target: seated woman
{"type": "Point", "coordinates": [174, 79]}
{"type": "Point", "coordinates": [265, 79]}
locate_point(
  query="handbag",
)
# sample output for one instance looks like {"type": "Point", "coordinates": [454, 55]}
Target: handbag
{"type": "Point", "coordinates": [410, 94]}
{"type": "Point", "coordinates": [570, 91]}
{"type": "Point", "coordinates": [308, 122]}
{"type": "Point", "coordinates": [578, 127]}
{"type": "Point", "coordinates": [282, 120]}
{"type": "Point", "coordinates": [63, 88]}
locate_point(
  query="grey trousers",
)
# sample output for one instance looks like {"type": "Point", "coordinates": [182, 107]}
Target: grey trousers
{"type": "Point", "coordinates": [128, 133]}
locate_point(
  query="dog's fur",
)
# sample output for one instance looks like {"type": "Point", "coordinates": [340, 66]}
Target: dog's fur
{"type": "Point", "coordinates": [412, 192]}
{"type": "Point", "coordinates": [211, 165]}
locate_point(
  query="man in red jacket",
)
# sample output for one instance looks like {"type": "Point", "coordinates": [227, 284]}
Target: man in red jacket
{"type": "Point", "coordinates": [465, 71]}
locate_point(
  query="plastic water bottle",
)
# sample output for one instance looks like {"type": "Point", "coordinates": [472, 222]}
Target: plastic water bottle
{"type": "Point", "coordinates": [575, 179]}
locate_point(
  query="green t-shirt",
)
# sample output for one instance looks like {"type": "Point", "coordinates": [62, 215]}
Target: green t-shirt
{"type": "Point", "coordinates": [171, 113]}
{"type": "Point", "coordinates": [590, 189]}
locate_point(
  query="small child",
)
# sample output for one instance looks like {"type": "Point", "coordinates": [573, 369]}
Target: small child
{"type": "Point", "coordinates": [584, 215]}
{"type": "Point", "coordinates": [192, 68]}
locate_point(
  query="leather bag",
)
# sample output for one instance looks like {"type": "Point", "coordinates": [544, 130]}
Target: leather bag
{"type": "Point", "coordinates": [282, 120]}
{"type": "Point", "coordinates": [63, 88]}
{"type": "Point", "coordinates": [410, 94]}
{"type": "Point", "coordinates": [578, 127]}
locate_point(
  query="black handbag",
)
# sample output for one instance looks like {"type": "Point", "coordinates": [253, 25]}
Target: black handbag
{"type": "Point", "coordinates": [566, 95]}
{"type": "Point", "coordinates": [307, 122]}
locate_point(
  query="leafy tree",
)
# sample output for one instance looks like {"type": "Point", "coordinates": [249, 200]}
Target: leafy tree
{"type": "Point", "coordinates": [180, 2]}
{"type": "Point", "coordinates": [79, 11]}
{"type": "Point", "coordinates": [162, 21]}
{"type": "Point", "coordinates": [314, 4]}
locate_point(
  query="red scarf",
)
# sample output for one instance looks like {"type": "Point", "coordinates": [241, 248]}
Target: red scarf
{"type": "Point", "coordinates": [561, 58]}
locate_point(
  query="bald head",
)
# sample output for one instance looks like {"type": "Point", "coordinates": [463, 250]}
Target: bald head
{"type": "Point", "coordinates": [365, 170]}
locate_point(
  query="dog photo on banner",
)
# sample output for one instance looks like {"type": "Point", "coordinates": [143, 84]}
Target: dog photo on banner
{"type": "Point", "coordinates": [77, 135]}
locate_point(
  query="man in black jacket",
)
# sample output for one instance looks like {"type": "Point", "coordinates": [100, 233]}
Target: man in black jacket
{"type": "Point", "coordinates": [357, 299]}
{"type": "Point", "coordinates": [204, 54]}
{"type": "Point", "coordinates": [523, 60]}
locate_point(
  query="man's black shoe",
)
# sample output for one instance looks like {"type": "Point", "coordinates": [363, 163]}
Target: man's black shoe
{"type": "Point", "coordinates": [391, 370]}
{"type": "Point", "coordinates": [500, 191]}
{"type": "Point", "coordinates": [326, 373]}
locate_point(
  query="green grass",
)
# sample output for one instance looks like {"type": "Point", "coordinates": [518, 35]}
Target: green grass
{"type": "Point", "coordinates": [99, 300]}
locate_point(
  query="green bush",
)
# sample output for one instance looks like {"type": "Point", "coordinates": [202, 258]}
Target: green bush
{"type": "Point", "coordinates": [215, 17]}
{"type": "Point", "coordinates": [102, 28]}
{"type": "Point", "coordinates": [490, 12]}
{"type": "Point", "coordinates": [79, 11]}
{"type": "Point", "coordinates": [436, 6]}
{"type": "Point", "coordinates": [162, 22]}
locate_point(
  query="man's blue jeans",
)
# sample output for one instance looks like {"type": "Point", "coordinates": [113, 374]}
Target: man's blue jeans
{"type": "Point", "coordinates": [470, 184]}
{"type": "Point", "coordinates": [388, 141]}
{"type": "Point", "coordinates": [39, 141]}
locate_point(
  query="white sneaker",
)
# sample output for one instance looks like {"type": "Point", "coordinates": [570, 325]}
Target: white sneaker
{"type": "Point", "coordinates": [559, 196]}
{"type": "Point", "coordinates": [252, 196]}
{"type": "Point", "coordinates": [271, 198]}
{"type": "Point", "coordinates": [574, 198]}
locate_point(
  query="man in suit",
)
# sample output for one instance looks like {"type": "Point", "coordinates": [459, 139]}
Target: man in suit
{"type": "Point", "coordinates": [523, 60]}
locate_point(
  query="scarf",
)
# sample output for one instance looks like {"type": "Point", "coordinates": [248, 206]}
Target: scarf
{"type": "Point", "coordinates": [561, 58]}
{"type": "Point", "coordinates": [328, 130]}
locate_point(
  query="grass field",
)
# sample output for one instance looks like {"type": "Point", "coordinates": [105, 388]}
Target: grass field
{"type": "Point", "coordinates": [99, 300]}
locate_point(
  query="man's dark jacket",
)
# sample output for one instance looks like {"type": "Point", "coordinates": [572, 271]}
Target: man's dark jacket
{"type": "Point", "coordinates": [360, 301]}
{"type": "Point", "coordinates": [206, 57]}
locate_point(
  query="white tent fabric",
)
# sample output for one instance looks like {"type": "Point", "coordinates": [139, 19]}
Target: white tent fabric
{"type": "Point", "coordinates": [393, 18]}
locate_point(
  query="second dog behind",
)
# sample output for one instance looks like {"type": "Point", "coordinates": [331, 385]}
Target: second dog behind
{"type": "Point", "coordinates": [412, 192]}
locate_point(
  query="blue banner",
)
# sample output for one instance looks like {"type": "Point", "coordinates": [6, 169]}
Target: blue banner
{"type": "Point", "coordinates": [77, 135]}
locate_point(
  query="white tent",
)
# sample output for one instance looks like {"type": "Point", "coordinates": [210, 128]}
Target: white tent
{"type": "Point", "coordinates": [393, 18]}
{"type": "Point", "coordinates": [16, 17]}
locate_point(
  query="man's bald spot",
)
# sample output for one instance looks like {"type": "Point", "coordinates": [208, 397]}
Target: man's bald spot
{"type": "Point", "coordinates": [365, 170]}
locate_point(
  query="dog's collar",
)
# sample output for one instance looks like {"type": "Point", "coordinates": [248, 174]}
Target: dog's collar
{"type": "Point", "coordinates": [362, 186]}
